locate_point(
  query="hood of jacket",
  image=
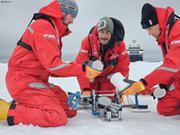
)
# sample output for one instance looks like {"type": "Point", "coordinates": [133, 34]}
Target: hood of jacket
{"type": "Point", "coordinates": [53, 10]}
{"type": "Point", "coordinates": [163, 15]}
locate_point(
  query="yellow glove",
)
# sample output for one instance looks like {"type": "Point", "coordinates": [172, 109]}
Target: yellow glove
{"type": "Point", "coordinates": [134, 88]}
{"type": "Point", "coordinates": [93, 69]}
{"type": "Point", "coordinates": [91, 73]}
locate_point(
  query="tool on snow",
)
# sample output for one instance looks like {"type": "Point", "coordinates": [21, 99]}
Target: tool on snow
{"type": "Point", "coordinates": [73, 100]}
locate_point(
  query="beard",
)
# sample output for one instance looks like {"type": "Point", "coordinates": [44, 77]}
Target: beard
{"type": "Point", "coordinates": [65, 22]}
{"type": "Point", "coordinates": [104, 40]}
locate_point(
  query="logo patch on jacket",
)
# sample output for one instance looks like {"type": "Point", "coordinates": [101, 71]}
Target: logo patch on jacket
{"type": "Point", "coordinates": [49, 36]}
{"type": "Point", "coordinates": [125, 52]}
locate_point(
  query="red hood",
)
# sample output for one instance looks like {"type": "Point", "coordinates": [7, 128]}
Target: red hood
{"type": "Point", "coordinates": [95, 35]}
{"type": "Point", "coordinates": [163, 15]}
{"type": "Point", "coordinates": [53, 10]}
{"type": "Point", "coordinates": [95, 31]}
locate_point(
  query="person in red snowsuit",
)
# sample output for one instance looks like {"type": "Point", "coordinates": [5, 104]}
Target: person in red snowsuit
{"type": "Point", "coordinates": [161, 23]}
{"type": "Point", "coordinates": [104, 43]}
{"type": "Point", "coordinates": [36, 57]}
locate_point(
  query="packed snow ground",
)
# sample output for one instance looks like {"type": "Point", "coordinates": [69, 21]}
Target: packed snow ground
{"type": "Point", "coordinates": [85, 123]}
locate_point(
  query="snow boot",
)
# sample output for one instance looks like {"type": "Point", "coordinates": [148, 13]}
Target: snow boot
{"type": "Point", "coordinates": [4, 107]}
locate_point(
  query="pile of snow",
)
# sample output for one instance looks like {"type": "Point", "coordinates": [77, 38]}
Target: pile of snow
{"type": "Point", "coordinates": [85, 123]}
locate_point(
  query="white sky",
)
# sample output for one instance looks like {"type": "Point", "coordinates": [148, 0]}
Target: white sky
{"type": "Point", "coordinates": [16, 14]}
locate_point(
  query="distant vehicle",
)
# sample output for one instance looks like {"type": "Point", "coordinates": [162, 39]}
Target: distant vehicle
{"type": "Point", "coordinates": [135, 52]}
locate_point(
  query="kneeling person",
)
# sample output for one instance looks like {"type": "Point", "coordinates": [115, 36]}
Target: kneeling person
{"type": "Point", "coordinates": [105, 43]}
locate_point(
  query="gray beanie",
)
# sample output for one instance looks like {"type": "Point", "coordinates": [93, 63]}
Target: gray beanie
{"type": "Point", "coordinates": [106, 23]}
{"type": "Point", "coordinates": [69, 7]}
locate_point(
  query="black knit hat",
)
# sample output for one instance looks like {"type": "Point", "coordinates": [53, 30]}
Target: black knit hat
{"type": "Point", "coordinates": [148, 16]}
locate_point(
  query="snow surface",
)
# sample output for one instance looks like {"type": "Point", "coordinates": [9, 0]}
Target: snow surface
{"type": "Point", "coordinates": [85, 123]}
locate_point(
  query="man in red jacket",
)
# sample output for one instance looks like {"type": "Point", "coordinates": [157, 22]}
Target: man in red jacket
{"type": "Point", "coordinates": [161, 23]}
{"type": "Point", "coordinates": [104, 43]}
{"type": "Point", "coordinates": [36, 57]}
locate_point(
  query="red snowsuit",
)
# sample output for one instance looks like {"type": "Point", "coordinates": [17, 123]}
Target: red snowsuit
{"type": "Point", "coordinates": [115, 59]}
{"type": "Point", "coordinates": [37, 101]}
{"type": "Point", "coordinates": [168, 73]}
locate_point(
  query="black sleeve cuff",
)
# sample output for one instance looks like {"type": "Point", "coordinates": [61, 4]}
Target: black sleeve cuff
{"type": "Point", "coordinates": [86, 89]}
{"type": "Point", "coordinates": [84, 66]}
{"type": "Point", "coordinates": [143, 81]}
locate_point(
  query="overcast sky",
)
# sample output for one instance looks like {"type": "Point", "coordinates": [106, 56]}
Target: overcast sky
{"type": "Point", "coordinates": [16, 14]}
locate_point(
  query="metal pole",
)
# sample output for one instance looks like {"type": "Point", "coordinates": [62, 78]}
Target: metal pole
{"type": "Point", "coordinates": [136, 101]}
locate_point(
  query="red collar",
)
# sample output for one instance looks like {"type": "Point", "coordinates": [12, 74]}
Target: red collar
{"type": "Point", "coordinates": [53, 10]}
{"type": "Point", "coordinates": [163, 15]}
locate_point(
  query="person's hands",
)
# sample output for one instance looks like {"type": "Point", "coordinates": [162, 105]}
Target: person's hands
{"type": "Point", "coordinates": [85, 95]}
{"type": "Point", "coordinates": [86, 92]}
{"type": "Point", "coordinates": [147, 91]}
{"type": "Point", "coordinates": [92, 68]}
{"type": "Point", "coordinates": [91, 73]}
{"type": "Point", "coordinates": [159, 91]}
{"type": "Point", "coordinates": [134, 88]}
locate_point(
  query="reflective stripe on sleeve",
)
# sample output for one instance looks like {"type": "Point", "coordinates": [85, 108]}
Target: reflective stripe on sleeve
{"type": "Point", "coordinates": [168, 69]}
{"type": "Point", "coordinates": [30, 30]}
{"type": "Point", "coordinates": [175, 42]}
{"type": "Point", "coordinates": [37, 85]}
{"type": "Point", "coordinates": [83, 51]}
{"type": "Point", "coordinates": [172, 87]}
{"type": "Point", "coordinates": [51, 85]}
{"type": "Point", "coordinates": [125, 52]}
{"type": "Point", "coordinates": [59, 67]}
